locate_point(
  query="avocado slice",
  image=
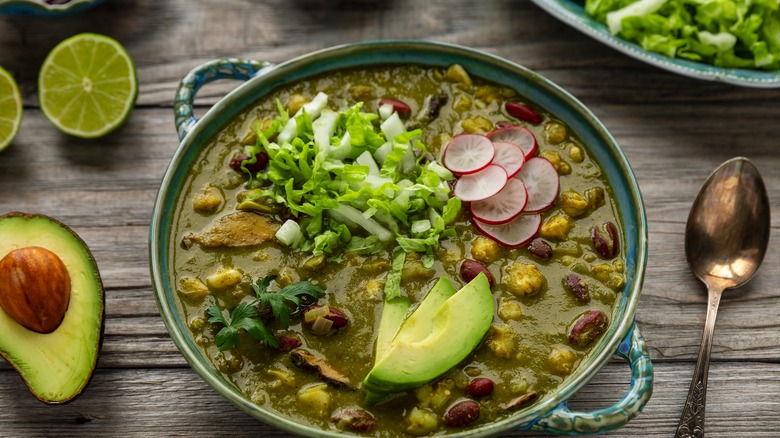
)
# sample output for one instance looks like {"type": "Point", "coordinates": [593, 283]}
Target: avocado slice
{"type": "Point", "coordinates": [394, 312]}
{"type": "Point", "coordinates": [418, 324]}
{"type": "Point", "coordinates": [56, 366]}
{"type": "Point", "coordinates": [415, 358]}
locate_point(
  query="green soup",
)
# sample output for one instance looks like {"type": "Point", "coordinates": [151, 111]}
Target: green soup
{"type": "Point", "coordinates": [528, 351]}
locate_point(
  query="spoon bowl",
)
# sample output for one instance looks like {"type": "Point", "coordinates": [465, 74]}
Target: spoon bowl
{"type": "Point", "coordinates": [728, 227]}
{"type": "Point", "coordinates": [725, 241]}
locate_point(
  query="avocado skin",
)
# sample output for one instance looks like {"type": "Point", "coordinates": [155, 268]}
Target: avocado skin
{"type": "Point", "coordinates": [23, 348]}
{"type": "Point", "coordinates": [457, 328]}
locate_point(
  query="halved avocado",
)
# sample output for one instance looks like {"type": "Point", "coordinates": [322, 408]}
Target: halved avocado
{"type": "Point", "coordinates": [54, 353]}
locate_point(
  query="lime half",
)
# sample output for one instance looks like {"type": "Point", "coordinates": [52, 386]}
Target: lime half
{"type": "Point", "coordinates": [87, 85]}
{"type": "Point", "coordinates": [10, 109]}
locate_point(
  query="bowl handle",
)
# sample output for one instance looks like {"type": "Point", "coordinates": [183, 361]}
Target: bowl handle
{"type": "Point", "coordinates": [230, 68]}
{"type": "Point", "coordinates": [562, 421]}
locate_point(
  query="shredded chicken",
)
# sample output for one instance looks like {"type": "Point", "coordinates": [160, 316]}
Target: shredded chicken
{"type": "Point", "coordinates": [235, 230]}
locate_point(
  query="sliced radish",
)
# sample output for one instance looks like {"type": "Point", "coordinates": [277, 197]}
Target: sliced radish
{"type": "Point", "coordinates": [503, 206]}
{"type": "Point", "coordinates": [509, 156]}
{"type": "Point", "coordinates": [515, 233]}
{"type": "Point", "coordinates": [481, 185]}
{"type": "Point", "coordinates": [541, 181]}
{"type": "Point", "coordinates": [517, 135]}
{"type": "Point", "coordinates": [468, 153]}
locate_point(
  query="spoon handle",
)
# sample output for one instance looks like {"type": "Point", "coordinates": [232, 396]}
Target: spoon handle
{"type": "Point", "coordinates": [692, 420]}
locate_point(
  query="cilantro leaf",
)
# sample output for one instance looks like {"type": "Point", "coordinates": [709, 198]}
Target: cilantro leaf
{"type": "Point", "coordinates": [280, 301]}
{"type": "Point", "coordinates": [227, 338]}
{"type": "Point", "coordinates": [261, 285]}
{"type": "Point", "coordinates": [279, 308]}
{"type": "Point", "coordinates": [216, 313]}
{"type": "Point", "coordinates": [245, 315]}
{"type": "Point", "coordinates": [258, 331]}
{"type": "Point", "coordinates": [302, 288]}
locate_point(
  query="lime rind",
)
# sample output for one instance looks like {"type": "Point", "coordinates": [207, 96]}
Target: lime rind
{"type": "Point", "coordinates": [88, 85]}
{"type": "Point", "coordinates": [10, 109]}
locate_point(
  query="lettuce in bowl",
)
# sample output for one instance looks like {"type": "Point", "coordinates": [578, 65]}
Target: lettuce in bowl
{"type": "Point", "coordinates": [725, 33]}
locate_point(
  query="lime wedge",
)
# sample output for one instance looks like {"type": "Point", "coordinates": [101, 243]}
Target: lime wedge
{"type": "Point", "coordinates": [10, 109]}
{"type": "Point", "coordinates": [87, 85]}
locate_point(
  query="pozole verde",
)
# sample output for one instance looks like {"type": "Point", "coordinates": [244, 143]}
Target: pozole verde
{"type": "Point", "coordinates": [285, 297]}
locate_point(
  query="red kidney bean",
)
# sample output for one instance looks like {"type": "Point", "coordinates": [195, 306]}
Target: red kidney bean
{"type": "Point", "coordinates": [588, 328]}
{"type": "Point", "coordinates": [462, 414]}
{"type": "Point", "coordinates": [523, 112]}
{"type": "Point", "coordinates": [334, 314]}
{"type": "Point", "coordinates": [605, 242]}
{"type": "Point", "coordinates": [480, 387]}
{"type": "Point", "coordinates": [577, 287]}
{"type": "Point", "coordinates": [264, 312]}
{"type": "Point", "coordinates": [258, 166]}
{"type": "Point", "coordinates": [469, 269]}
{"type": "Point", "coordinates": [540, 248]}
{"type": "Point", "coordinates": [400, 107]}
{"type": "Point", "coordinates": [287, 343]}
{"type": "Point", "coordinates": [435, 104]}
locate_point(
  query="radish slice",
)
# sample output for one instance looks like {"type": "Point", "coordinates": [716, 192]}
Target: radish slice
{"type": "Point", "coordinates": [541, 181]}
{"type": "Point", "coordinates": [481, 185]}
{"type": "Point", "coordinates": [515, 233]}
{"type": "Point", "coordinates": [468, 153]}
{"type": "Point", "coordinates": [509, 156]}
{"type": "Point", "coordinates": [503, 206]}
{"type": "Point", "coordinates": [517, 135]}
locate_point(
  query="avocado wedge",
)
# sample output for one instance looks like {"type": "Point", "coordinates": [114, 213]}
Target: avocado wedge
{"type": "Point", "coordinates": [51, 306]}
{"type": "Point", "coordinates": [447, 330]}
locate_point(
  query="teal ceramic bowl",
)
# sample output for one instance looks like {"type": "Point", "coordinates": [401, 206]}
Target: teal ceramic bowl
{"type": "Point", "coordinates": [550, 414]}
{"type": "Point", "coordinates": [572, 13]}
{"type": "Point", "coordinates": [41, 8]}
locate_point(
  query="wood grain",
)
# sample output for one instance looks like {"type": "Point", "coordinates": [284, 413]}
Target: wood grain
{"type": "Point", "coordinates": [674, 131]}
{"type": "Point", "coordinates": [174, 402]}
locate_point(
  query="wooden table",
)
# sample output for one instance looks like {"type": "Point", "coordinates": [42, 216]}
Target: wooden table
{"type": "Point", "coordinates": [674, 131]}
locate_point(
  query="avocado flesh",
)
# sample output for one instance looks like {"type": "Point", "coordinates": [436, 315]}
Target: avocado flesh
{"type": "Point", "coordinates": [393, 314]}
{"type": "Point", "coordinates": [420, 323]}
{"type": "Point", "coordinates": [55, 366]}
{"type": "Point", "coordinates": [457, 327]}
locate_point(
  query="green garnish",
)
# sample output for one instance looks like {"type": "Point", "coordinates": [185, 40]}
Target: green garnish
{"type": "Point", "coordinates": [355, 184]}
{"type": "Point", "coordinates": [289, 295]}
{"type": "Point", "coordinates": [393, 282]}
{"type": "Point", "coordinates": [726, 33]}
{"type": "Point", "coordinates": [284, 303]}
{"type": "Point", "coordinates": [244, 316]}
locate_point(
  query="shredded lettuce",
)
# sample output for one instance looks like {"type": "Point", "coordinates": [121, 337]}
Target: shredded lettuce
{"type": "Point", "coordinates": [353, 183]}
{"type": "Point", "coordinates": [726, 33]}
{"type": "Point", "coordinates": [393, 282]}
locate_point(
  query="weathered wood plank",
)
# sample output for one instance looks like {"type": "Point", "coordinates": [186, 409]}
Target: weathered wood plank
{"type": "Point", "coordinates": [741, 403]}
{"type": "Point", "coordinates": [166, 39]}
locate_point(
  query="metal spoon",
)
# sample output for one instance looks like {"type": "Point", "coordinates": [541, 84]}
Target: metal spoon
{"type": "Point", "coordinates": [725, 241]}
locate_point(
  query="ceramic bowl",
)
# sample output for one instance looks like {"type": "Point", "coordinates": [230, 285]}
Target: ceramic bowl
{"type": "Point", "coordinates": [572, 13]}
{"type": "Point", "coordinates": [41, 8]}
{"type": "Point", "coordinates": [551, 413]}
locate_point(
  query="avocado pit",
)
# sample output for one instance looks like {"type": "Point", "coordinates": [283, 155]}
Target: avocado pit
{"type": "Point", "coordinates": [34, 288]}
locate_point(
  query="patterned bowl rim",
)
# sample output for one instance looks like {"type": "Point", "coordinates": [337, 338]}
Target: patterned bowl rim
{"type": "Point", "coordinates": [39, 7]}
